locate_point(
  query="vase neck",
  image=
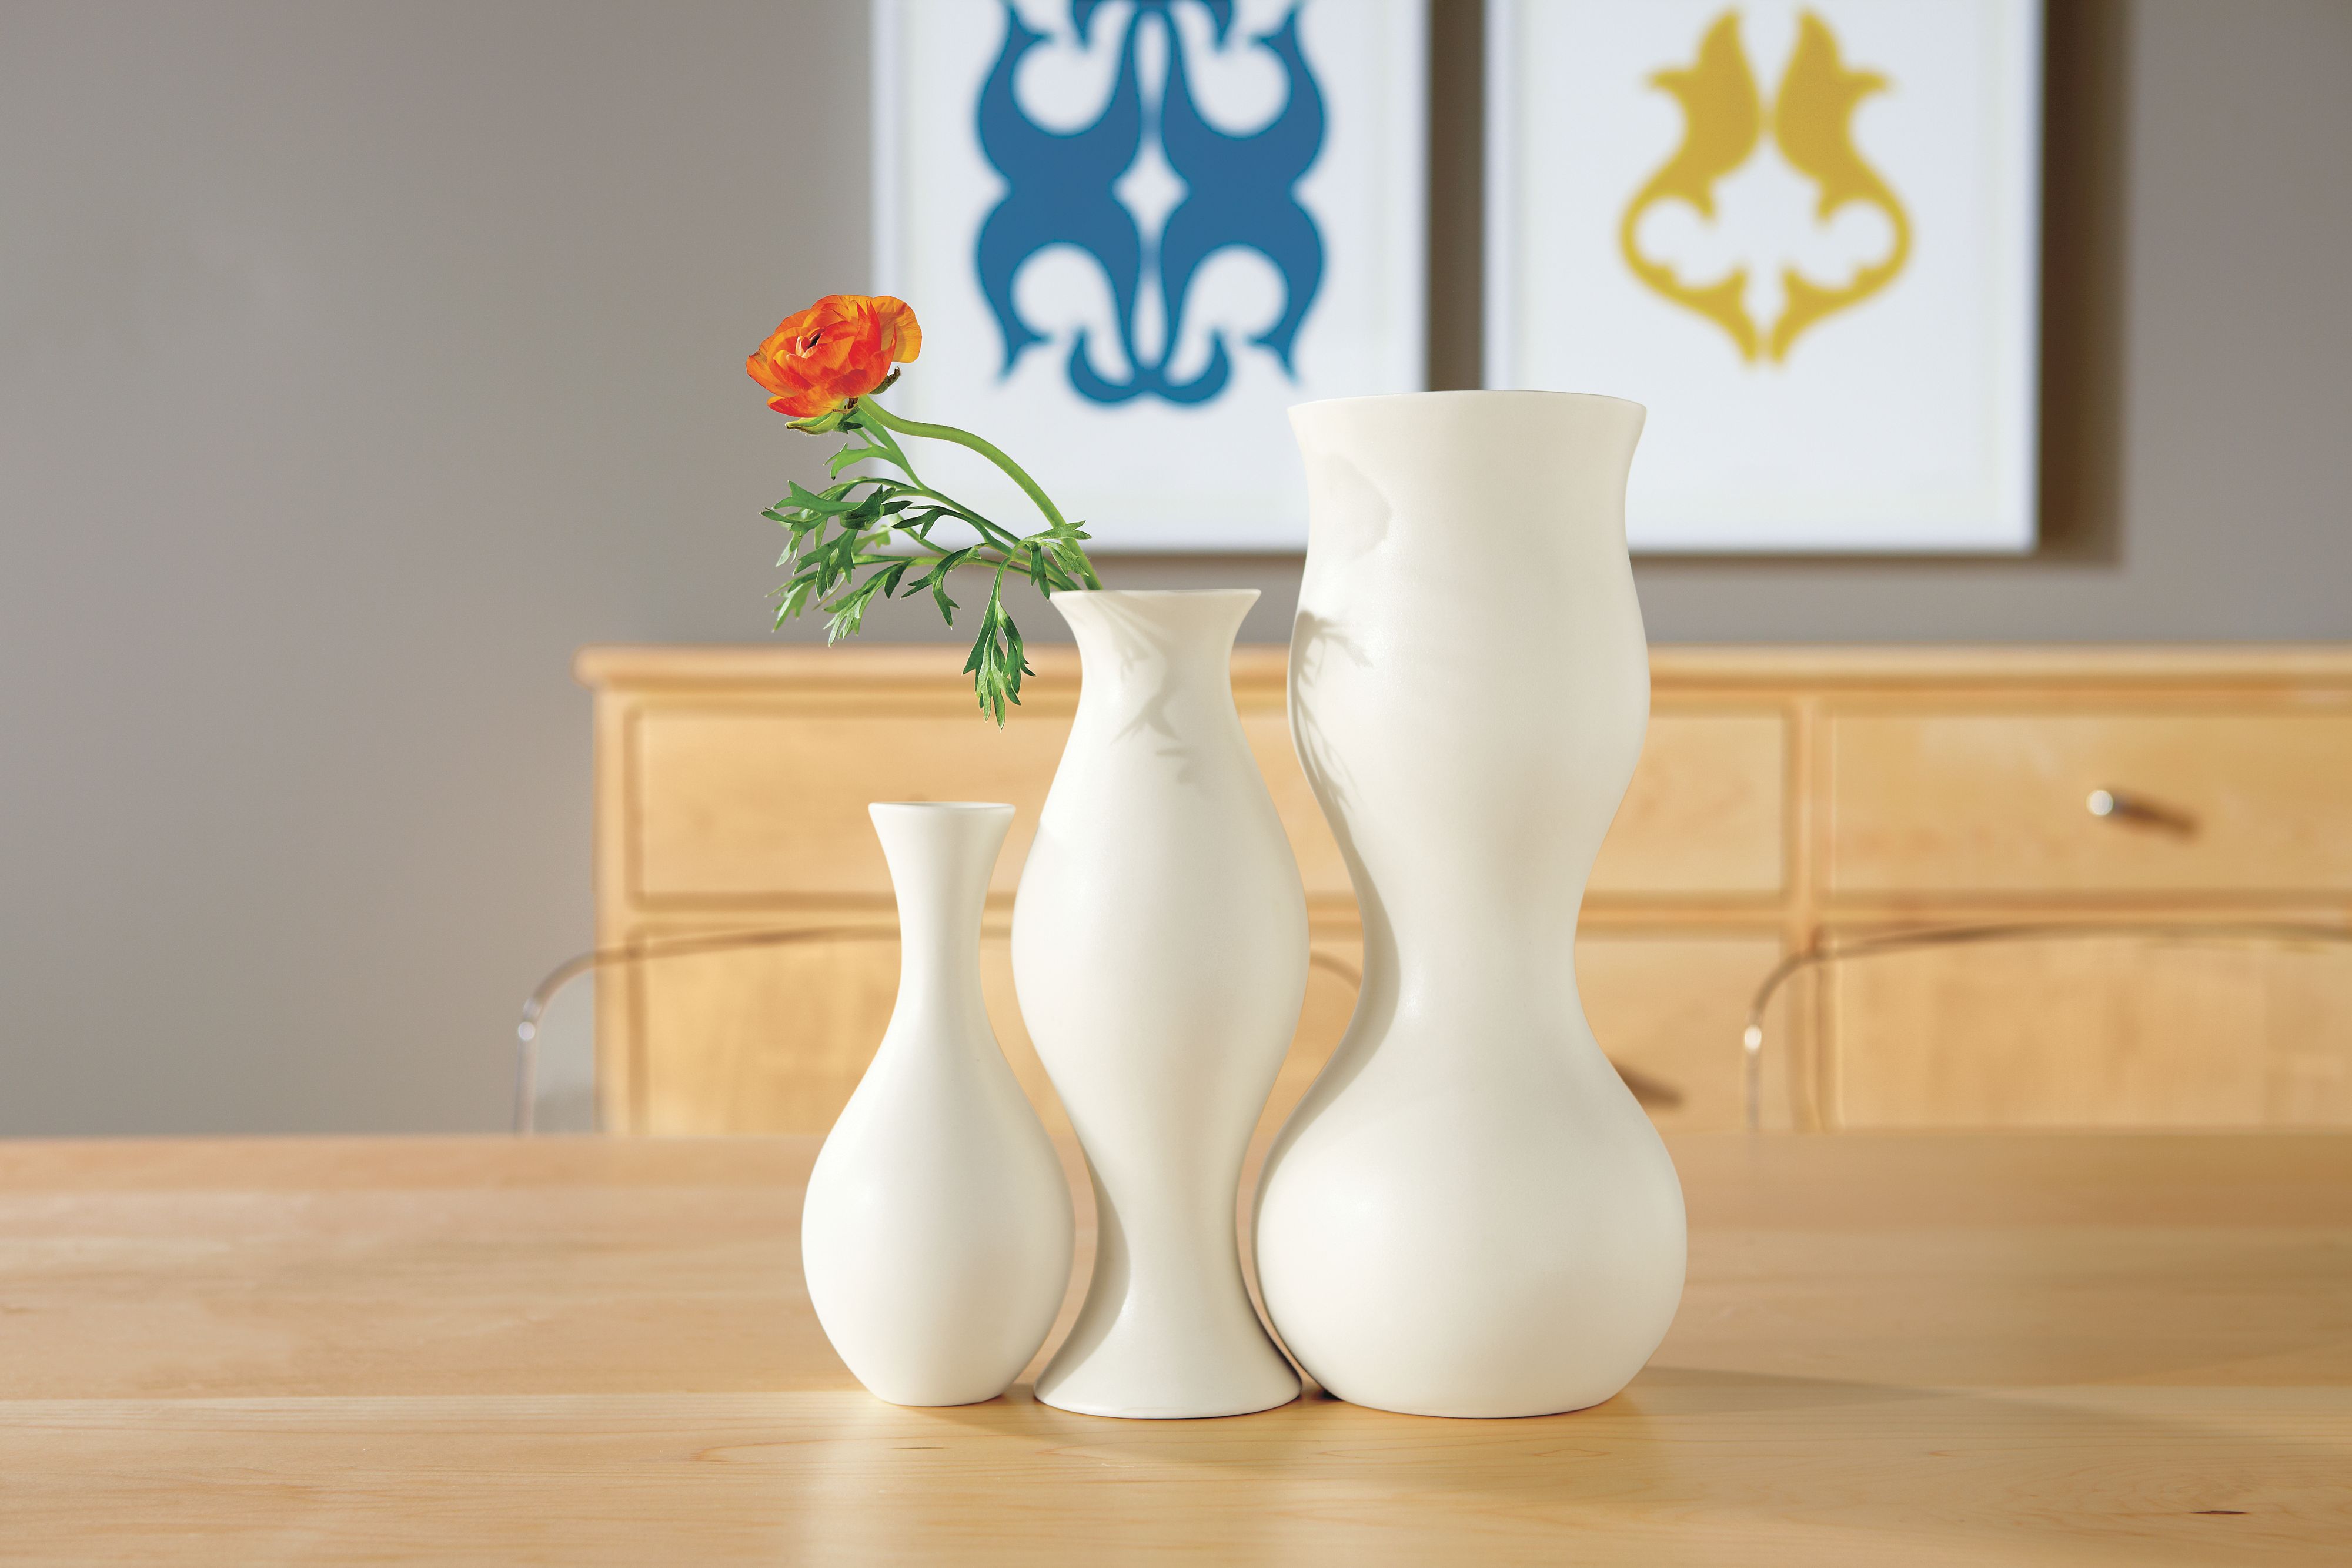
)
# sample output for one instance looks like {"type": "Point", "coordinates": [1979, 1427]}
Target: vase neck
{"type": "Point", "coordinates": [1154, 639]}
{"type": "Point", "coordinates": [941, 856]}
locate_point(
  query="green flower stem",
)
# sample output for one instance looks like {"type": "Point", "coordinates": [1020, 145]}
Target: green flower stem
{"type": "Point", "coordinates": [889, 421]}
{"type": "Point", "coordinates": [881, 417]}
{"type": "Point", "coordinates": [882, 439]}
{"type": "Point", "coordinates": [869, 511]}
{"type": "Point", "coordinates": [996, 534]}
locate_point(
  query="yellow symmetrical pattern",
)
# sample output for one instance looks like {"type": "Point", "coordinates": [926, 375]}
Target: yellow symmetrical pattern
{"type": "Point", "coordinates": [1723, 123]}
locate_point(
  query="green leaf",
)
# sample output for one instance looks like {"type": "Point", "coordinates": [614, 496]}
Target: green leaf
{"type": "Point", "coordinates": [795, 596]}
{"type": "Point", "coordinates": [849, 454]}
{"type": "Point", "coordinates": [935, 578]}
{"type": "Point", "coordinates": [848, 613]}
{"type": "Point", "coordinates": [808, 500]}
{"type": "Point", "coordinates": [998, 660]}
{"type": "Point", "coordinates": [943, 564]}
{"type": "Point", "coordinates": [823, 424]}
{"type": "Point", "coordinates": [833, 560]}
{"type": "Point", "coordinates": [847, 489]}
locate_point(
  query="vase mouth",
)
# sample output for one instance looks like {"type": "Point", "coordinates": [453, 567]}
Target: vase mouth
{"type": "Point", "coordinates": [1193, 593]}
{"type": "Point", "coordinates": [1488, 394]}
{"type": "Point", "coordinates": [1105, 618]}
{"type": "Point", "coordinates": [940, 807]}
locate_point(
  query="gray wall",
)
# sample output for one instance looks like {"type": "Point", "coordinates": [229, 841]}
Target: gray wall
{"type": "Point", "coordinates": [357, 363]}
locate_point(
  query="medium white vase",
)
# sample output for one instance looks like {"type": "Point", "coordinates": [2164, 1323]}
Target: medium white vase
{"type": "Point", "coordinates": [936, 1233]}
{"type": "Point", "coordinates": [1159, 950]}
{"type": "Point", "coordinates": [1468, 1215]}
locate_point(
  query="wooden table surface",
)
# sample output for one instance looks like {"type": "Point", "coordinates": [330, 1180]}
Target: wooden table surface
{"type": "Point", "coordinates": [2100, 1349]}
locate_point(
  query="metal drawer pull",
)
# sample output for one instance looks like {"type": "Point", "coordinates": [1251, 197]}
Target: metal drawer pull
{"type": "Point", "coordinates": [2115, 806]}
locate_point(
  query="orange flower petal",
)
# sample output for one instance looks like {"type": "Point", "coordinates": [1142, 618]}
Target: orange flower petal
{"type": "Point", "coordinates": [901, 334]}
{"type": "Point", "coordinates": [764, 370]}
{"type": "Point", "coordinates": [805, 405]}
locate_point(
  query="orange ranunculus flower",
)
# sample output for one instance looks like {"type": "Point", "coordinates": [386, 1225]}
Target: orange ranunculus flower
{"type": "Point", "coordinates": [834, 352]}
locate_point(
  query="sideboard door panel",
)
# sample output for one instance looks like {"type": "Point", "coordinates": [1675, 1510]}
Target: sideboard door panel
{"type": "Point", "coordinates": [1669, 1010]}
{"type": "Point", "coordinates": [2094, 1032]}
{"type": "Point", "coordinates": [761, 1040]}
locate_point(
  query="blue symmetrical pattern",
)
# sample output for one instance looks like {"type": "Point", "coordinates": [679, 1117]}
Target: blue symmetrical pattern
{"type": "Point", "coordinates": [1240, 191]}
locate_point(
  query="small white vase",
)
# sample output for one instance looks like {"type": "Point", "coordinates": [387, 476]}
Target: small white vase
{"type": "Point", "coordinates": [1159, 950]}
{"type": "Point", "coordinates": [937, 1234]}
{"type": "Point", "coordinates": [1468, 1214]}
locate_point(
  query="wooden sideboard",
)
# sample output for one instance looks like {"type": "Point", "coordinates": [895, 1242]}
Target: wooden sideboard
{"type": "Point", "coordinates": [1784, 797]}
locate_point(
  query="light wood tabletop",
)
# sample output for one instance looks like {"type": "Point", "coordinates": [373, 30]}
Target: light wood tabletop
{"type": "Point", "coordinates": [2095, 1349]}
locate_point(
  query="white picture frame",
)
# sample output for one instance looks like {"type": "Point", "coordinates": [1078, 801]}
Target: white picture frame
{"type": "Point", "coordinates": [1033, 264]}
{"type": "Point", "coordinates": [1657, 174]}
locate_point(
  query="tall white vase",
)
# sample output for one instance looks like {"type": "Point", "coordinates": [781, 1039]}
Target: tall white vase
{"type": "Point", "coordinates": [1469, 1215]}
{"type": "Point", "coordinates": [937, 1232]}
{"type": "Point", "coordinates": [1159, 949]}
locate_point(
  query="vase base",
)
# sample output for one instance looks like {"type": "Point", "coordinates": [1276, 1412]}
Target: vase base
{"type": "Point", "coordinates": [1446, 1411]}
{"type": "Point", "coordinates": [906, 1401]}
{"type": "Point", "coordinates": [1179, 1412]}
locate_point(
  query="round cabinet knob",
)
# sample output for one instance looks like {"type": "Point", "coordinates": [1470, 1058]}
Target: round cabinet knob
{"type": "Point", "coordinates": [2115, 806]}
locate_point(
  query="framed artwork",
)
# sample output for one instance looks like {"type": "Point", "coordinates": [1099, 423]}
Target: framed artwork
{"type": "Point", "coordinates": [1137, 231]}
{"type": "Point", "coordinates": [1804, 232]}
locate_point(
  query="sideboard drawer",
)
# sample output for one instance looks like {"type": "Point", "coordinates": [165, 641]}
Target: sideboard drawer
{"type": "Point", "coordinates": [1998, 802]}
{"type": "Point", "coordinates": [739, 804]}
{"type": "Point", "coordinates": [731, 806]}
{"type": "Point", "coordinates": [728, 805]}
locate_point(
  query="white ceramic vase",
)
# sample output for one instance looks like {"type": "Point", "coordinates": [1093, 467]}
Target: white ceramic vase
{"type": "Point", "coordinates": [937, 1232]}
{"type": "Point", "coordinates": [1468, 1215]}
{"type": "Point", "coordinates": [1159, 950]}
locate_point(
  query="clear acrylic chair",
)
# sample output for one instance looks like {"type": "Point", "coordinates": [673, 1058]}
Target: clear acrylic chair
{"type": "Point", "coordinates": [555, 1040]}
